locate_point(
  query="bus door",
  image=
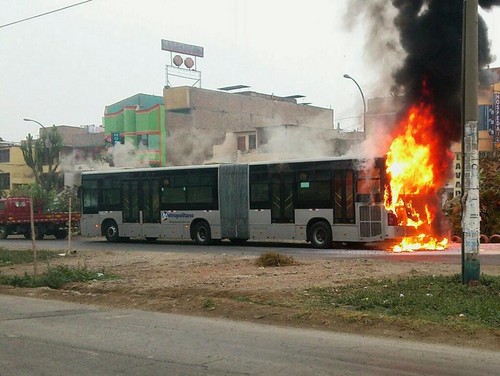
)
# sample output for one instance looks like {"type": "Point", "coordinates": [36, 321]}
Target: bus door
{"type": "Point", "coordinates": [150, 203]}
{"type": "Point", "coordinates": [343, 190]}
{"type": "Point", "coordinates": [130, 209]}
{"type": "Point", "coordinates": [282, 203]}
{"type": "Point", "coordinates": [141, 205]}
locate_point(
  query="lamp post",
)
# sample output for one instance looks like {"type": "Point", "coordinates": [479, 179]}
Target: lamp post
{"type": "Point", "coordinates": [35, 121]}
{"type": "Point", "coordinates": [364, 101]}
{"type": "Point", "coordinates": [47, 144]}
{"type": "Point", "coordinates": [33, 235]}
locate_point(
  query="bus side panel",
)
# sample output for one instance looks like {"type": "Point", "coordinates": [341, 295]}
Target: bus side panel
{"type": "Point", "coordinates": [303, 216]}
{"type": "Point", "coordinates": [233, 188]}
{"type": "Point", "coordinates": [90, 225]}
{"type": "Point", "coordinates": [260, 220]}
{"type": "Point", "coordinates": [176, 224]}
{"type": "Point", "coordinates": [345, 233]}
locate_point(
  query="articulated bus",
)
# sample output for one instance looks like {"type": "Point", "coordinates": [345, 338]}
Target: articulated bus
{"type": "Point", "coordinates": [320, 201]}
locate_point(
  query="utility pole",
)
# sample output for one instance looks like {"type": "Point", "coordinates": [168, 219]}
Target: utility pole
{"type": "Point", "coordinates": [470, 151]}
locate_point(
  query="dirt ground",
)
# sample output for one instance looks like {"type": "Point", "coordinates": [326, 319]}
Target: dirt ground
{"type": "Point", "coordinates": [227, 286]}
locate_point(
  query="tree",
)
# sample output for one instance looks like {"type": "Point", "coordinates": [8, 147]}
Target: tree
{"type": "Point", "coordinates": [489, 193]}
{"type": "Point", "coordinates": [489, 198]}
{"type": "Point", "coordinates": [41, 152]}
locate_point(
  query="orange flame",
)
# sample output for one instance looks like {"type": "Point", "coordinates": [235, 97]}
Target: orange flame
{"type": "Point", "coordinates": [416, 175]}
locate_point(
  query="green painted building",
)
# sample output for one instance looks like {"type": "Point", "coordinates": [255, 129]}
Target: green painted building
{"type": "Point", "coordinates": [138, 121]}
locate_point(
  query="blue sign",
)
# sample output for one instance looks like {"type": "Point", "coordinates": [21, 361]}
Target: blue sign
{"type": "Point", "coordinates": [115, 138]}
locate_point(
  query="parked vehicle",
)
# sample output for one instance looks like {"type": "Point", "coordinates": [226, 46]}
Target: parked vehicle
{"type": "Point", "coordinates": [15, 219]}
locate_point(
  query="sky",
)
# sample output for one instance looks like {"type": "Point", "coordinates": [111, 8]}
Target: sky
{"type": "Point", "coordinates": [65, 67]}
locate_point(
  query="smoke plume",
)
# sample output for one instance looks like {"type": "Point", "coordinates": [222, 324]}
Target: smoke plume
{"type": "Point", "coordinates": [430, 35]}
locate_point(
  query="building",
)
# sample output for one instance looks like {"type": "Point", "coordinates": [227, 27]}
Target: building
{"type": "Point", "coordinates": [138, 123]}
{"type": "Point", "coordinates": [190, 125]}
{"type": "Point", "coordinates": [202, 124]}
{"type": "Point", "coordinates": [13, 170]}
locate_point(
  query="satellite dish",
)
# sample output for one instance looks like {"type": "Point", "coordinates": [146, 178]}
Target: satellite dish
{"type": "Point", "coordinates": [177, 60]}
{"type": "Point", "coordinates": [189, 62]}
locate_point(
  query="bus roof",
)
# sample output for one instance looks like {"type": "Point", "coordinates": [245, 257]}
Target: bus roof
{"type": "Point", "coordinates": [216, 165]}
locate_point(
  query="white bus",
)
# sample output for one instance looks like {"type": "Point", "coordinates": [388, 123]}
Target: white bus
{"type": "Point", "coordinates": [319, 201]}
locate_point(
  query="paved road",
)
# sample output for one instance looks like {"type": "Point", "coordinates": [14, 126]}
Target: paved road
{"type": "Point", "coordinates": [490, 252]}
{"type": "Point", "coordinates": [39, 337]}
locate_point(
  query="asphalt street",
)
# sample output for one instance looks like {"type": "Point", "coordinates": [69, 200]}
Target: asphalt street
{"type": "Point", "coordinates": [42, 337]}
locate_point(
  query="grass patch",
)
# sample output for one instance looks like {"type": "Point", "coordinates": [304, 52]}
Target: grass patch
{"type": "Point", "coordinates": [55, 277]}
{"type": "Point", "coordinates": [257, 301]}
{"type": "Point", "coordinates": [438, 299]}
{"type": "Point", "coordinates": [8, 257]}
{"type": "Point", "coordinates": [208, 304]}
{"type": "Point", "coordinates": [275, 259]}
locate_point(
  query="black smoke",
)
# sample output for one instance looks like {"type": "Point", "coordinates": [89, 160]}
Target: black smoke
{"type": "Point", "coordinates": [430, 33]}
{"type": "Point", "coordinates": [487, 4]}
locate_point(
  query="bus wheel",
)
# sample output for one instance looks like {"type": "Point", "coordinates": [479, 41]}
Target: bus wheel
{"type": "Point", "coordinates": [3, 232]}
{"type": "Point", "coordinates": [111, 231]}
{"type": "Point", "coordinates": [151, 239]}
{"type": "Point", "coordinates": [321, 235]}
{"type": "Point", "coordinates": [202, 234]}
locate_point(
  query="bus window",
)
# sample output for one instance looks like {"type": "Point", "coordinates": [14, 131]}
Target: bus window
{"type": "Point", "coordinates": [90, 196]}
{"type": "Point", "coordinates": [314, 189]}
{"type": "Point", "coordinates": [259, 190]}
{"type": "Point", "coordinates": [368, 186]}
{"type": "Point", "coordinates": [195, 191]}
{"type": "Point", "coordinates": [110, 194]}
{"type": "Point", "coordinates": [344, 196]}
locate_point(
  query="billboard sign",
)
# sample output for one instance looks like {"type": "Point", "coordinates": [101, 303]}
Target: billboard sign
{"type": "Point", "coordinates": [496, 118]}
{"type": "Point", "coordinates": [181, 48]}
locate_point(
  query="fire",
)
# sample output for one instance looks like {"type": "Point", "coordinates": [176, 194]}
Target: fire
{"type": "Point", "coordinates": [415, 166]}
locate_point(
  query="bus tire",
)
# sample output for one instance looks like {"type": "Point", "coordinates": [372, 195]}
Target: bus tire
{"type": "Point", "coordinates": [202, 234]}
{"type": "Point", "coordinates": [321, 235]}
{"type": "Point", "coordinates": [111, 231]}
{"type": "Point", "coordinates": [4, 232]}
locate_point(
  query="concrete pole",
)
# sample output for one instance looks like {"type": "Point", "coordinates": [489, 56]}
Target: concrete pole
{"type": "Point", "coordinates": [69, 227]}
{"type": "Point", "coordinates": [33, 246]}
{"type": "Point", "coordinates": [470, 151]}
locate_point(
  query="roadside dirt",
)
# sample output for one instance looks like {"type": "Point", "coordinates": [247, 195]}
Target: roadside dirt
{"type": "Point", "coordinates": [227, 286]}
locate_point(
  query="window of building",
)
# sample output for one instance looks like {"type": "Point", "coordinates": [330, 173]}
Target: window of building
{"type": "Point", "coordinates": [148, 142]}
{"type": "Point", "coordinates": [142, 142]}
{"type": "Point", "coordinates": [252, 142]}
{"type": "Point", "coordinates": [4, 180]}
{"type": "Point", "coordinates": [5, 156]}
{"type": "Point", "coordinates": [242, 143]}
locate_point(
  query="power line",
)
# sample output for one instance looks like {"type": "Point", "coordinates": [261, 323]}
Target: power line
{"type": "Point", "coordinates": [44, 14]}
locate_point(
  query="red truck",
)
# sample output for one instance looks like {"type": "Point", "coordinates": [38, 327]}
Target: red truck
{"type": "Point", "coordinates": [15, 219]}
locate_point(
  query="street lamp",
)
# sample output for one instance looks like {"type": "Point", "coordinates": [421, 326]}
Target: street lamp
{"type": "Point", "coordinates": [363, 97]}
{"type": "Point", "coordinates": [45, 129]}
{"type": "Point", "coordinates": [35, 121]}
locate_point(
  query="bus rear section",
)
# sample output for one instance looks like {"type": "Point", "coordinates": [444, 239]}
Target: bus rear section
{"type": "Point", "coordinates": [319, 201]}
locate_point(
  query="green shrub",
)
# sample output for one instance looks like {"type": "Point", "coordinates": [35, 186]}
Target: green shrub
{"type": "Point", "coordinates": [11, 257]}
{"type": "Point", "coordinates": [275, 259]}
{"type": "Point", "coordinates": [440, 299]}
{"type": "Point", "coordinates": [55, 277]}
